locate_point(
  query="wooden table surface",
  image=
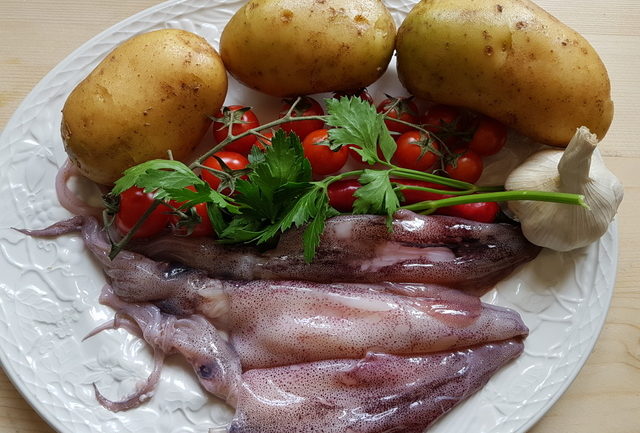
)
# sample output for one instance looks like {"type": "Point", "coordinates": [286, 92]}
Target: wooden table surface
{"type": "Point", "coordinates": [605, 398]}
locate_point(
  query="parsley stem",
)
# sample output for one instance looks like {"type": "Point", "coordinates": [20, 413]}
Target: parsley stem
{"type": "Point", "coordinates": [418, 175]}
{"type": "Point", "coordinates": [330, 179]}
{"type": "Point", "coordinates": [400, 187]}
{"type": "Point", "coordinates": [430, 206]}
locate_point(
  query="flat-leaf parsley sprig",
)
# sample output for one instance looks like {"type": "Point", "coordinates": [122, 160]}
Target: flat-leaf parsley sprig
{"type": "Point", "coordinates": [280, 192]}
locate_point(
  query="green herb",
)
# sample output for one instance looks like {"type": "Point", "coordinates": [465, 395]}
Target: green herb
{"type": "Point", "coordinates": [280, 193]}
{"type": "Point", "coordinates": [169, 180]}
{"type": "Point", "coordinates": [357, 123]}
{"type": "Point", "coordinates": [376, 196]}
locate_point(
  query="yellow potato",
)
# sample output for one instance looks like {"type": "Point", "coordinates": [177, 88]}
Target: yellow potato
{"type": "Point", "coordinates": [150, 95]}
{"type": "Point", "coordinates": [298, 47]}
{"type": "Point", "coordinates": [508, 59]}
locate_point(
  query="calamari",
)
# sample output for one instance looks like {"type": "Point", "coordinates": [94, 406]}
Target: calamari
{"type": "Point", "coordinates": [442, 250]}
{"type": "Point", "coordinates": [273, 323]}
{"type": "Point", "coordinates": [214, 361]}
{"type": "Point", "coordinates": [378, 393]}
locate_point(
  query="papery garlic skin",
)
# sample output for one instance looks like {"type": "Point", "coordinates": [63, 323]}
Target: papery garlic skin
{"type": "Point", "coordinates": [579, 169]}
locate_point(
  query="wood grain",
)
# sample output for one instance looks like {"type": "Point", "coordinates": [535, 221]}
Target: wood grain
{"type": "Point", "coordinates": [605, 397]}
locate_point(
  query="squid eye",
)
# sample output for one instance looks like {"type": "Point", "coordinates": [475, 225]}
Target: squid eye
{"type": "Point", "coordinates": [207, 371]}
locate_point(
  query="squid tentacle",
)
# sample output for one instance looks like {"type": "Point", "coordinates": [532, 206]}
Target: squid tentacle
{"type": "Point", "coordinates": [144, 391]}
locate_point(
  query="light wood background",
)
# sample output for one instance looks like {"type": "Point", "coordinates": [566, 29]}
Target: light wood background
{"type": "Point", "coordinates": [605, 398]}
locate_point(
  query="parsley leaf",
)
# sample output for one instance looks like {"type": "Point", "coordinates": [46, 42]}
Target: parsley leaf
{"type": "Point", "coordinates": [156, 174]}
{"type": "Point", "coordinates": [169, 180]}
{"type": "Point", "coordinates": [278, 194]}
{"type": "Point", "coordinates": [358, 123]}
{"type": "Point", "coordinates": [387, 144]}
{"type": "Point", "coordinates": [376, 196]}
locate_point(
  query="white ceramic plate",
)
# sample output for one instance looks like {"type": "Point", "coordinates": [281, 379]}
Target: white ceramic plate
{"type": "Point", "coordinates": [49, 288]}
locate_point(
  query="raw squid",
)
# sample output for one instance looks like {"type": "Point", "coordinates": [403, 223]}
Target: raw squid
{"type": "Point", "coordinates": [379, 393]}
{"type": "Point", "coordinates": [214, 361]}
{"type": "Point", "coordinates": [440, 250]}
{"type": "Point", "coordinates": [288, 322]}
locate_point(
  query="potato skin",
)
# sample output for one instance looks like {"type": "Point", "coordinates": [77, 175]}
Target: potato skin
{"type": "Point", "coordinates": [508, 59]}
{"type": "Point", "coordinates": [298, 47]}
{"type": "Point", "coordinates": [151, 94]}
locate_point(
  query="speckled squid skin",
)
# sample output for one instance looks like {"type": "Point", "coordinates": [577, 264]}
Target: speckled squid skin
{"type": "Point", "coordinates": [442, 250]}
{"type": "Point", "coordinates": [377, 394]}
{"type": "Point", "coordinates": [274, 323]}
{"type": "Point", "coordinates": [360, 362]}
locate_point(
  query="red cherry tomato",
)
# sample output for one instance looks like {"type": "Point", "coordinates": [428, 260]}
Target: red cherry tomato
{"type": "Point", "coordinates": [134, 202]}
{"type": "Point", "coordinates": [323, 160]}
{"type": "Point", "coordinates": [446, 122]}
{"type": "Point", "coordinates": [405, 109]}
{"type": "Point", "coordinates": [341, 194]}
{"type": "Point", "coordinates": [360, 93]}
{"type": "Point", "coordinates": [415, 196]}
{"type": "Point", "coordinates": [485, 212]}
{"type": "Point", "coordinates": [306, 107]}
{"type": "Point", "coordinates": [489, 137]}
{"type": "Point", "coordinates": [233, 160]}
{"type": "Point", "coordinates": [264, 140]}
{"type": "Point", "coordinates": [203, 228]}
{"type": "Point", "coordinates": [243, 120]}
{"type": "Point", "coordinates": [466, 166]}
{"type": "Point", "coordinates": [416, 151]}
{"type": "Point", "coordinates": [440, 118]}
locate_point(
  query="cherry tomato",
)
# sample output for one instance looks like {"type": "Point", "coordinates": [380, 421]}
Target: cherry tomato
{"type": "Point", "coordinates": [466, 166]}
{"type": "Point", "coordinates": [306, 107]}
{"type": "Point", "coordinates": [414, 196]}
{"type": "Point", "coordinates": [360, 93]}
{"type": "Point", "coordinates": [446, 122]}
{"type": "Point", "coordinates": [134, 202]}
{"type": "Point", "coordinates": [323, 160]}
{"type": "Point", "coordinates": [233, 160]}
{"type": "Point", "coordinates": [416, 151]}
{"type": "Point", "coordinates": [489, 137]}
{"type": "Point", "coordinates": [243, 120]}
{"type": "Point", "coordinates": [341, 194]}
{"type": "Point", "coordinates": [440, 118]}
{"type": "Point", "coordinates": [485, 212]}
{"type": "Point", "coordinates": [203, 228]}
{"type": "Point", "coordinates": [265, 140]}
{"type": "Point", "coordinates": [405, 109]}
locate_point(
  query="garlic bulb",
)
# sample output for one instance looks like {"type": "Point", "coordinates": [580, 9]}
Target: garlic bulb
{"type": "Point", "coordinates": [579, 170]}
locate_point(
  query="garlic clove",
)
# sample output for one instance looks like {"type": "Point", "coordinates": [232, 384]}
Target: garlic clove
{"type": "Point", "coordinates": [579, 169]}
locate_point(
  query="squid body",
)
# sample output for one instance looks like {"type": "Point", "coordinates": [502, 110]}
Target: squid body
{"type": "Point", "coordinates": [443, 250]}
{"type": "Point", "coordinates": [303, 356]}
{"type": "Point", "coordinates": [273, 323]}
{"type": "Point", "coordinates": [378, 393]}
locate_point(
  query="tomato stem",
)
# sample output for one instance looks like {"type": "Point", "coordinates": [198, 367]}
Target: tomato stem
{"type": "Point", "coordinates": [254, 131]}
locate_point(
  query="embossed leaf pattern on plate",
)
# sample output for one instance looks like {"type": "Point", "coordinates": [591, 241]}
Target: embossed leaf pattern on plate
{"type": "Point", "coordinates": [49, 288]}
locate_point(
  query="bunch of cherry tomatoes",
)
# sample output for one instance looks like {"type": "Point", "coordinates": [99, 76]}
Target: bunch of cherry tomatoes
{"type": "Point", "coordinates": [443, 139]}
